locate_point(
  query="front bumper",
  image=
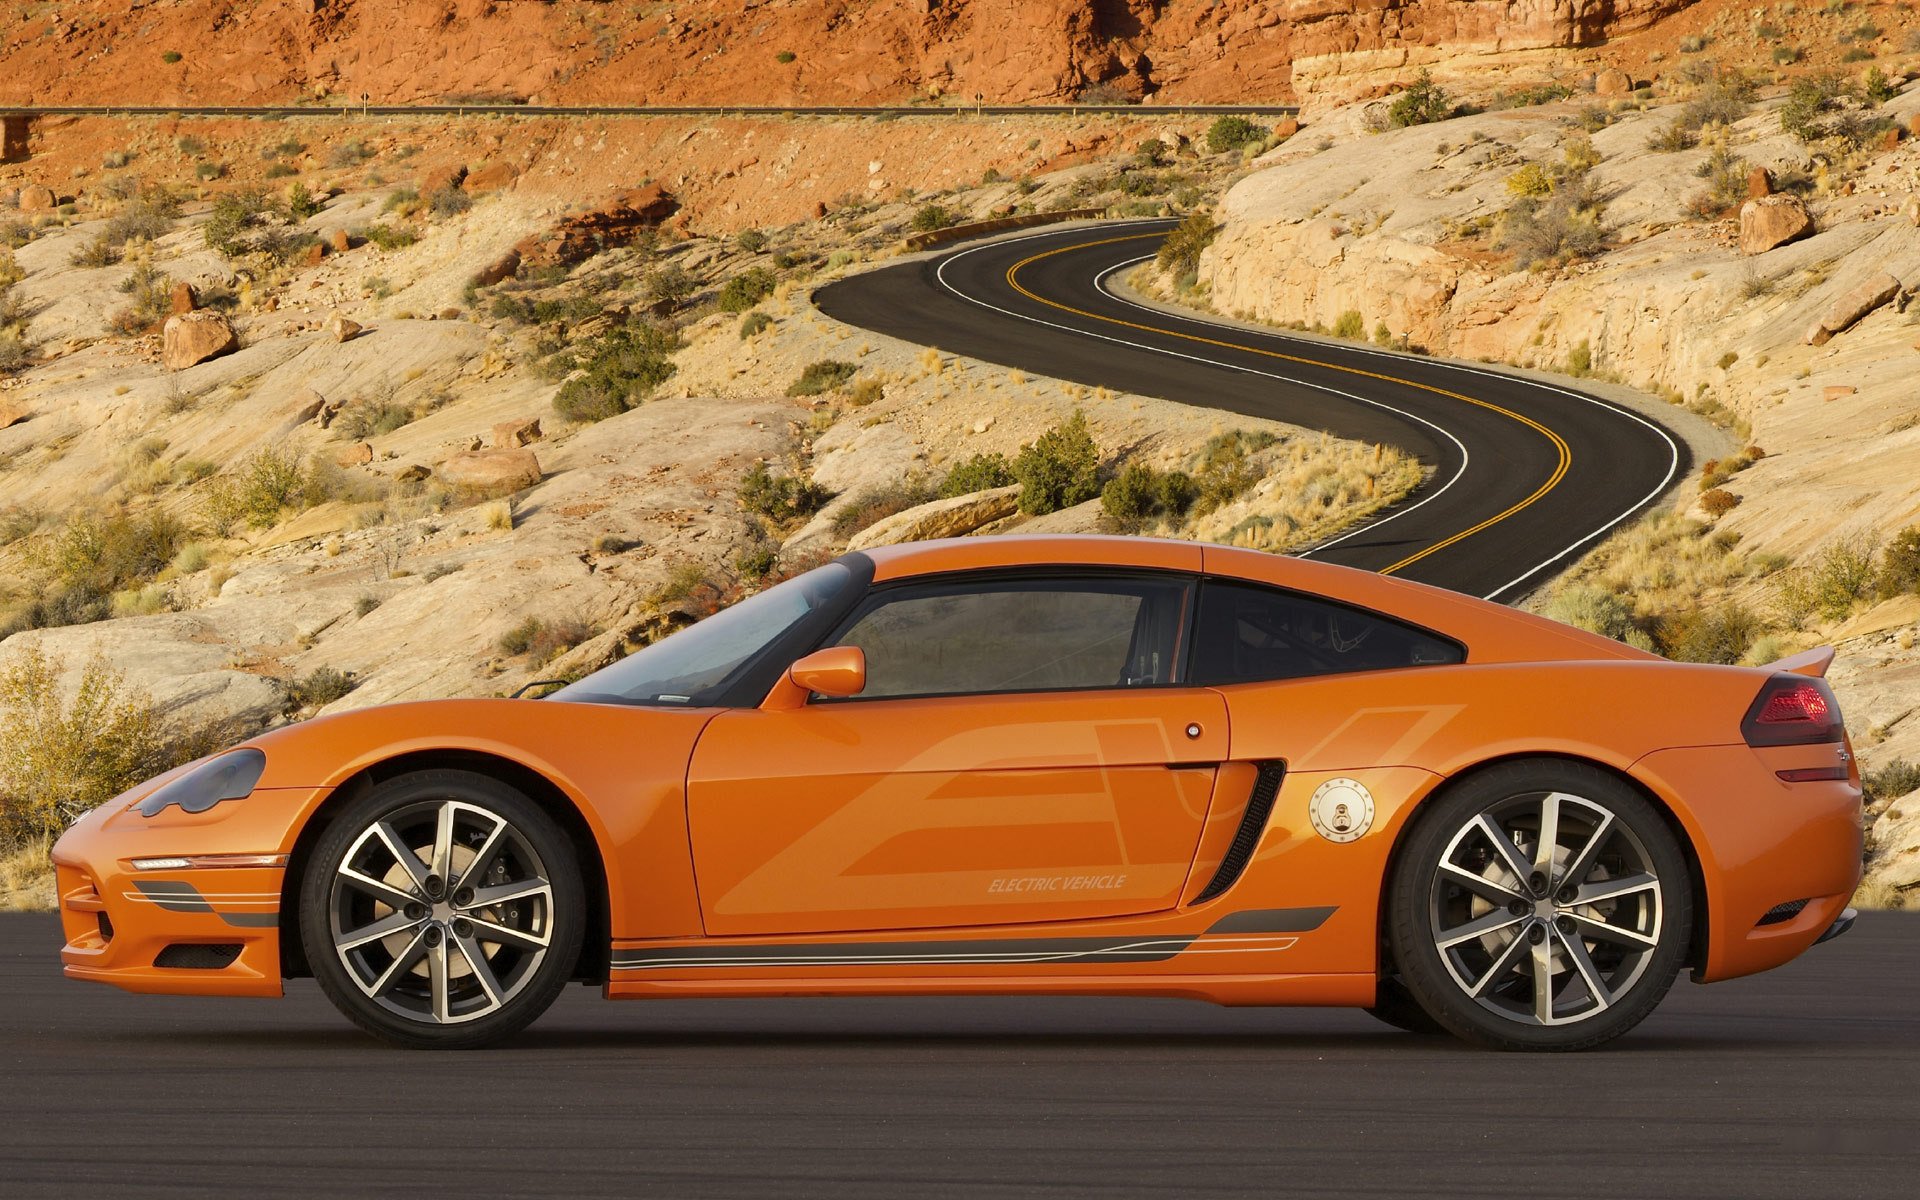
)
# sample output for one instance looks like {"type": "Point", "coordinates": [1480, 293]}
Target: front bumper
{"type": "Point", "coordinates": [1840, 925]}
{"type": "Point", "coordinates": [204, 930]}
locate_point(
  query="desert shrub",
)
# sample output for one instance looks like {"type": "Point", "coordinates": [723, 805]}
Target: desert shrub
{"type": "Point", "coordinates": [781, 498]}
{"type": "Point", "coordinates": [753, 241]}
{"type": "Point", "coordinates": [1224, 468]}
{"type": "Point", "coordinates": [1179, 254]}
{"type": "Point", "coordinates": [301, 203]}
{"type": "Point", "coordinates": [1877, 88]}
{"type": "Point", "coordinates": [1593, 117]}
{"type": "Point", "coordinates": [1722, 102]}
{"type": "Point", "coordinates": [170, 57]}
{"type": "Point", "coordinates": [1530, 180]}
{"type": "Point", "coordinates": [388, 237]}
{"type": "Point", "coordinates": [210, 171]}
{"type": "Point", "coordinates": [285, 148]}
{"type": "Point", "coordinates": [96, 251]}
{"type": "Point", "coordinates": [349, 154]}
{"type": "Point", "coordinates": [1720, 635]}
{"type": "Point", "coordinates": [822, 376]}
{"type": "Point", "coordinates": [1150, 153]}
{"type": "Point", "coordinates": [866, 391]}
{"type": "Point", "coordinates": [1594, 609]}
{"type": "Point", "coordinates": [669, 284]}
{"type": "Point", "coordinates": [757, 562]}
{"type": "Point", "coordinates": [1423, 103]}
{"type": "Point", "coordinates": [931, 216]}
{"type": "Point", "coordinates": [1232, 133]}
{"type": "Point", "coordinates": [402, 200]}
{"type": "Point", "coordinates": [1693, 43]}
{"type": "Point", "coordinates": [1139, 493]}
{"type": "Point", "coordinates": [876, 504]}
{"type": "Point", "coordinates": [1898, 778]}
{"type": "Point", "coordinates": [784, 57]}
{"type": "Point", "coordinates": [1726, 176]}
{"type": "Point", "coordinates": [620, 371]}
{"type": "Point", "coordinates": [65, 753]}
{"type": "Point", "coordinates": [449, 201]}
{"type": "Point", "coordinates": [754, 323]}
{"type": "Point", "coordinates": [258, 491]}
{"type": "Point", "coordinates": [1562, 228]}
{"type": "Point", "coordinates": [978, 474]}
{"type": "Point", "coordinates": [1350, 324]}
{"type": "Point", "coordinates": [319, 687]}
{"type": "Point", "coordinates": [745, 290]}
{"type": "Point", "coordinates": [281, 171]}
{"type": "Point", "coordinates": [151, 293]}
{"type": "Point", "coordinates": [544, 640]}
{"type": "Point", "coordinates": [189, 145]}
{"type": "Point", "coordinates": [365, 417]}
{"type": "Point", "coordinates": [233, 216]}
{"type": "Point", "coordinates": [1580, 359]}
{"type": "Point", "coordinates": [1812, 101]}
{"type": "Point", "coordinates": [1830, 586]}
{"type": "Point", "coordinates": [1673, 138]}
{"type": "Point", "coordinates": [1717, 502]}
{"type": "Point", "coordinates": [1900, 564]}
{"type": "Point", "coordinates": [1058, 469]}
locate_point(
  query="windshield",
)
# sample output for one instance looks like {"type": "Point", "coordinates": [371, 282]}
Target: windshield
{"type": "Point", "coordinates": [694, 667]}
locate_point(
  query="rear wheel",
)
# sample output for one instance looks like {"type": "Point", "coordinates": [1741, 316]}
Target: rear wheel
{"type": "Point", "coordinates": [443, 910]}
{"type": "Point", "coordinates": [1540, 905]}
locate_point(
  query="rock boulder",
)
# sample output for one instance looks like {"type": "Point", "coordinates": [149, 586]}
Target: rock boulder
{"type": "Point", "coordinates": [195, 337]}
{"type": "Point", "coordinates": [1858, 301]}
{"type": "Point", "coordinates": [340, 329]}
{"type": "Point", "coordinates": [492, 470]}
{"type": "Point", "coordinates": [511, 435]}
{"type": "Point", "coordinates": [35, 198]}
{"type": "Point", "coordinates": [1772, 221]}
{"type": "Point", "coordinates": [1612, 83]}
{"type": "Point", "coordinates": [12, 412]}
{"type": "Point", "coordinates": [952, 517]}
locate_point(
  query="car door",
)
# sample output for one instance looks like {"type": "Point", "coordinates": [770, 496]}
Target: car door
{"type": "Point", "coordinates": [1024, 750]}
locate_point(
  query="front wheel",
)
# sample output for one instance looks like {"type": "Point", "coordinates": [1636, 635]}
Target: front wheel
{"type": "Point", "coordinates": [443, 910]}
{"type": "Point", "coordinates": [1540, 905]}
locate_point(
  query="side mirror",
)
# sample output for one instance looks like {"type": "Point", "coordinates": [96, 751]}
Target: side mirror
{"type": "Point", "coordinates": [835, 671]}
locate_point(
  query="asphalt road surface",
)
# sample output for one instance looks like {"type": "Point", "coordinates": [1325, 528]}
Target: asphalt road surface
{"type": "Point", "coordinates": [1527, 475]}
{"type": "Point", "coordinates": [1802, 1083]}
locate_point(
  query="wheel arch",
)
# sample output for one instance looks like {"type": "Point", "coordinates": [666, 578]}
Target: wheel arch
{"type": "Point", "coordinates": [592, 964]}
{"type": "Point", "coordinates": [1696, 879]}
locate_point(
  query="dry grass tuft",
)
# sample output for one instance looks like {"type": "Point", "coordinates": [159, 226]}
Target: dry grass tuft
{"type": "Point", "coordinates": [26, 878]}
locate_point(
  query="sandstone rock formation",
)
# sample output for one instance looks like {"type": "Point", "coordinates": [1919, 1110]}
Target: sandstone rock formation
{"type": "Point", "coordinates": [509, 435]}
{"type": "Point", "coordinates": [357, 455]}
{"type": "Point", "coordinates": [195, 337]}
{"type": "Point", "coordinates": [614, 223]}
{"type": "Point", "coordinates": [1771, 221]}
{"type": "Point", "coordinates": [951, 517]}
{"type": "Point", "coordinates": [1857, 301]}
{"type": "Point", "coordinates": [492, 470]}
{"type": "Point", "coordinates": [12, 412]}
{"type": "Point", "coordinates": [182, 299]}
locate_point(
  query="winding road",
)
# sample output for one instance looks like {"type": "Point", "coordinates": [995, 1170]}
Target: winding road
{"type": "Point", "coordinates": [1526, 475]}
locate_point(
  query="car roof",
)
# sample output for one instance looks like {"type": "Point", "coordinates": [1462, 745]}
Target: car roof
{"type": "Point", "coordinates": [1492, 632]}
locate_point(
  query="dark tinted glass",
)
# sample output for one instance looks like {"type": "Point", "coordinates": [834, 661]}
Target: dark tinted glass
{"type": "Point", "coordinates": [1019, 636]}
{"type": "Point", "coordinates": [1249, 633]}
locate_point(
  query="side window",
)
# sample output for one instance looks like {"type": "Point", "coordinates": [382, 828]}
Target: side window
{"type": "Point", "coordinates": [1248, 633]}
{"type": "Point", "coordinates": [1000, 635]}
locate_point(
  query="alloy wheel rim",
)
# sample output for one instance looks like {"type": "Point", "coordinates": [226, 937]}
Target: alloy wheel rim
{"type": "Point", "coordinates": [441, 912]}
{"type": "Point", "coordinates": [1546, 909]}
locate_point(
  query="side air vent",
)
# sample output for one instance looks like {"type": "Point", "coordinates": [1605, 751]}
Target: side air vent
{"type": "Point", "coordinates": [184, 956]}
{"type": "Point", "coordinates": [1253, 822]}
{"type": "Point", "coordinates": [1780, 914]}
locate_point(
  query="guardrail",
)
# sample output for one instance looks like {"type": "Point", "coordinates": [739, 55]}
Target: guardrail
{"type": "Point", "coordinates": [645, 110]}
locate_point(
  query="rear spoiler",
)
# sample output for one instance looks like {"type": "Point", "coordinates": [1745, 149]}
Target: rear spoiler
{"type": "Point", "coordinates": [1812, 662]}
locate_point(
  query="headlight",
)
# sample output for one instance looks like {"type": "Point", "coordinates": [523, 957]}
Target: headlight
{"type": "Point", "coordinates": [228, 777]}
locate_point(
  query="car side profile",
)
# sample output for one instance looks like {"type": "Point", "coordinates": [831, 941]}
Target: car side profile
{"type": "Point", "coordinates": [1039, 765]}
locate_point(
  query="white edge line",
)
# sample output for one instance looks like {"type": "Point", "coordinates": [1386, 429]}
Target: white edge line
{"type": "Point", "coordinates": [1673, 462]}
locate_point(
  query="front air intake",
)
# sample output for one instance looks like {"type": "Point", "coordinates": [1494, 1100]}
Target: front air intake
{"type": "Point", "coordinates": [1780, 914]}
{"type": "Point", "coordinates": [190, 956]}
{"type": "Point", "coordinates": [1253, 822]}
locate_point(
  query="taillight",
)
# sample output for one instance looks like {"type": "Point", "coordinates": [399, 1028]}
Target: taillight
{"type": "Point", "coordinates": [1793, 710]}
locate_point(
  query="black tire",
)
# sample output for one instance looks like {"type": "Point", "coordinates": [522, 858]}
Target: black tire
{"type": "Point", "coordinates": [526, 944]}
{"type": "Point", "coordinates": [1395, 1005]}
{"type": "Point", "coordinates": [1611, 920]}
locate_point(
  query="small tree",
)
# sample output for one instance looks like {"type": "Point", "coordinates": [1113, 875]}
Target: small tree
{"type": "Point", "coordinates": [1233, 132]}
{"type": "Point", "coordinates": [65, 752]}
{"type": "Point", "coordinates": [1421, 104]}
{"type": "Point", "coordinates": [1179, 254]}
{"type": "Point", "coordinates": [1058, 469]}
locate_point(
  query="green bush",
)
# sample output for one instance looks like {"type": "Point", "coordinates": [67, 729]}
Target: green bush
{"type": "Point", "coordinates": [1423, 103]}
{"type": "Point", "coordinates": [1232, 133]}
{"type": "Point", "coordinates": [931, 216]}
{"type": "Point", "coordinates": [1350, 324]}
{"type": "Point", "coordinates": [1900, 564]}
{"type": "Point", "coordinates": [1563, 228]}
{"type": "Point", "coordinates": [1580, 359]}
{"type": "Point", "coordinates": [449, 201]}
{"type": "Point", "coordinates": [745, 290]}
{"type": "Point", "coordinates": [822, 376]}
{"type": "Point", "coordinates": [389, 237]}
{"type": "Point", "coordinates": [669, 284]}
{"type": "Point", "coordinates": [753, 324]}
{"type": "Point", "coordinates": [65, 751]}
{"type": "Point", "coordinates": [233, 216]}
{"type": "Point", "coordinates": [621, 370]}
{"type": "Point", "coordinates": [1179, 254]}
{"type": "Point", "coordinates": [781, 498]}
{"type": "Point", "coordinates": [1139, 493]}
{"type": "Point", "coordinates": [1059, 469]}
{"type": "Point", "coordinates": [978, 474]}
{"type": "Point", "coordinates": [757, 562]}
{"type": "Point", "coordinates": [1812, 101]}
{"type": "Point", "coordinates": [1719, 636]}
{"type": "Point", "coordinates": [301, 203]}
{"type": "Point", "coordinates": [1673, 139]}
{"type": "Point", "coordinates": [753, 241]}
{"type": "Point", "coordinates": [170, 57]}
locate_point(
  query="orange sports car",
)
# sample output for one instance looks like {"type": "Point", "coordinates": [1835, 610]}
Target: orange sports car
{"type": "Point", "coordinates": [1017, 765]}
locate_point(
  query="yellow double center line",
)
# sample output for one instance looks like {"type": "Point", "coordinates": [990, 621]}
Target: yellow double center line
{"type": "Point", "coordinates": [1559, 443]}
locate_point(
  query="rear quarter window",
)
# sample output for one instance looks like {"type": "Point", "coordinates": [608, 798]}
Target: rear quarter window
{"type": "Point", "coordinates": [1248, 633]}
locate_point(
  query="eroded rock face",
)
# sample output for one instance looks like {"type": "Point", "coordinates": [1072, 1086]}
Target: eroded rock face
{"type": "Point", "coordinates": [951, 517]}
{"type": "Point", "coordinates": [491, 470]}
{"type": "Point", "coordinates": [195, 337]}
{"type": "Point", "coordinates": [613, 224]}
{"type": "Point", "coordinates": [1771, 221]}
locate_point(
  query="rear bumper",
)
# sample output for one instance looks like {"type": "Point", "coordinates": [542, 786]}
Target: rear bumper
{"type": "Point", "coordinates": [1761, 844]}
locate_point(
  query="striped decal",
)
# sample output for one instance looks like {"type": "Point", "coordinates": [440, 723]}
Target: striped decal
{"type": "Point", "coordinates": [1249, 932]}
{"type": "Point", "coordinates": [176, 896]}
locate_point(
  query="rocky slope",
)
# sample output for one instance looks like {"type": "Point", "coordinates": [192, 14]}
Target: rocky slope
{"type": "Point", "coordinates": [795, 52]}
{"type": "Point", "coordinates": [1804, 348]}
